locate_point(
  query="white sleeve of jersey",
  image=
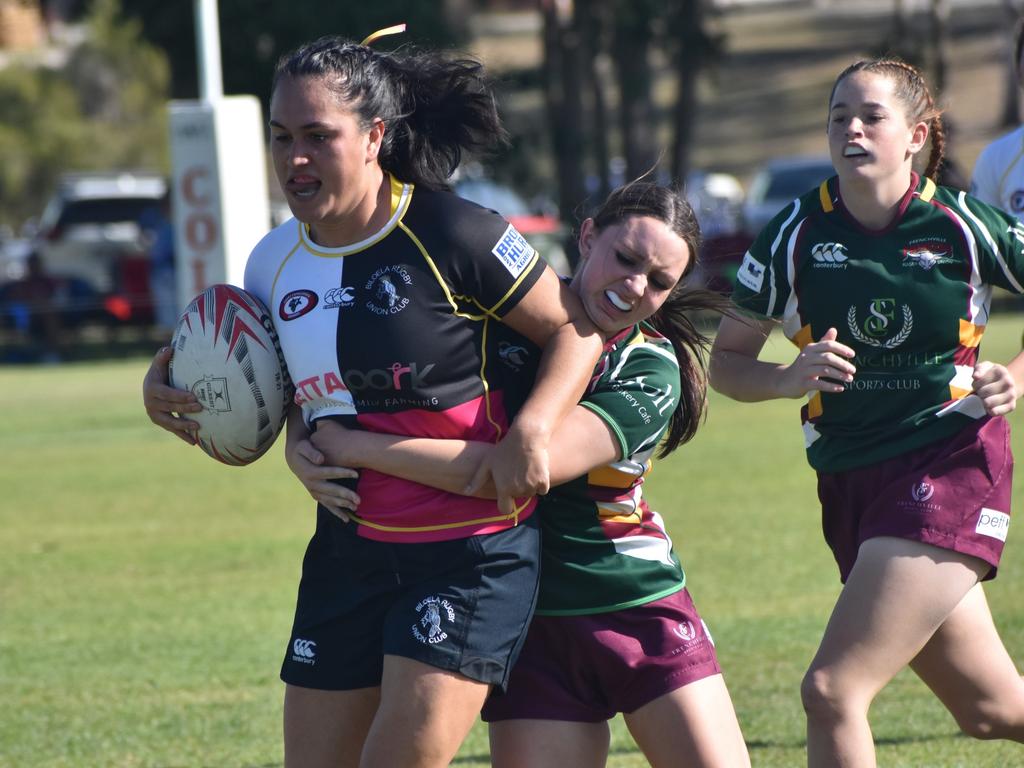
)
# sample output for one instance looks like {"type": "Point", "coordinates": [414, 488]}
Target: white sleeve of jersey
{"type": "Point", "coordinates": [984, 180]}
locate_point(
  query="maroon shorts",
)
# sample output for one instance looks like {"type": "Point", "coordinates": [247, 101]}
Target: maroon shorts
{"type": "Point", "coordinates": [588, 668]}
{"type": "Point", "coordinates": [953, 494]}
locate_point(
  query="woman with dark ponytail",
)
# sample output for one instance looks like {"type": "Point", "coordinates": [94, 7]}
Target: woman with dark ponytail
{"type": "Point", "coordinates": [883, 280]}
{"type": "Point", "coordinates": [385, 289]}
{"type": "Point", "coordinates": [615, 628]}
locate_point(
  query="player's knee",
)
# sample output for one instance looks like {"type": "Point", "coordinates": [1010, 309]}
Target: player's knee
{"type": "Point", "coordinates": [980, 722]}
{"type": "Point", "coordinates": [824, 697]}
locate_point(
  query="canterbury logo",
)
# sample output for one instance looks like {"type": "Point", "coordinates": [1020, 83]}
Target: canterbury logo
{"type": "Point", "coordinates": [833, 253]}
{"type": "Point", "coordinates": [304, 648]}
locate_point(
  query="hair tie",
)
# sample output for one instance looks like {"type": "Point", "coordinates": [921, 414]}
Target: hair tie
{"type": "Point", "coordinates": [395, 30]}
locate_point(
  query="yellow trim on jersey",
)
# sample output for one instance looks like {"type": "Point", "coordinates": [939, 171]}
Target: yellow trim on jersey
{"type": "Point", "coordinates": [970, 334]}
{"type": "Point", "coordinates": [437, 274]}
{"type": "Point", "coordinates": [824, 197]}
{"type": "Point", "coordinates": [280, 267]}
{"type": "Point", "coordinates": [514, 517]}
{"type": "Point", "coordinates": [608, 476]}
{"type": "Point", "coordinates": [483, 379]}
{"type": "Point", "coordinates": [459, 313]}
{"type": "Point", "coordinates": [929, 190]}
{"type": "Point", "coordinates": [803, 337]}
{"type": "Point", "coordinates": [814, 409]}
{"type": "Point", "coordinates": [632, 517]}
{"type": "Point", "coordinates": [401, 198]}
{"type": "Point", "coordinates": [956, 393]}
{"type": "Point", "coordinates": [522, 276]}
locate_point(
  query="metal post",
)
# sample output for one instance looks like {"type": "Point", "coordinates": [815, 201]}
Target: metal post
{"type": "Point", "coordinates": [211, 85]}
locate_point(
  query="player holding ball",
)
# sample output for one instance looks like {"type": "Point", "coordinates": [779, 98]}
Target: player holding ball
{"type": "Point", "coordinates": [383, 288]}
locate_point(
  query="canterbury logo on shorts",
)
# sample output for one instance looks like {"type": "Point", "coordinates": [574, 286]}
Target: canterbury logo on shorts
{"type": "Point", "coordinates": [303, 651]}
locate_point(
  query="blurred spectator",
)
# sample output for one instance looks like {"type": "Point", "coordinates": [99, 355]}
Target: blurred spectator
{"type": "Point", "coordinates": [32, 305]}
{"type": "Point", "coordinates": [158, 228]}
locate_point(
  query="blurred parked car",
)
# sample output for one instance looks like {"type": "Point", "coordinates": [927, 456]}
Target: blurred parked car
{"type": "Point", "coordinates": [90, 233]}
{"type": "Point", "coordinates": [14, 252]}
{"type": "Point", "coordinates": [542, 230]}
{"type": "Point", "coordinates": [779, 183]}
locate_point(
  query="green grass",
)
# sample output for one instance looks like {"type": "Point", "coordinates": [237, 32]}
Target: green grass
{"type": "Point", "coordinates": [146, 591]}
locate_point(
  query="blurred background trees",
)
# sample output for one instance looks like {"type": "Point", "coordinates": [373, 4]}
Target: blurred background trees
{"type": "Point", "coordinates": [99, 103]}
{"type": "Point", "coordinates": [609, 90]}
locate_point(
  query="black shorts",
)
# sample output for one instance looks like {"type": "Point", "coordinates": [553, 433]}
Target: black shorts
{"type": "Point", "coordinates": [462, 605]}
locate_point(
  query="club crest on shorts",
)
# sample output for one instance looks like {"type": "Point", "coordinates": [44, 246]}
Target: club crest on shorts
{"type": "Point", "coordinates": [685, 631]}
{"type": "Point", "coordinates": [433, 611]}
{"type": "Point", "coordinates": [922, 491]}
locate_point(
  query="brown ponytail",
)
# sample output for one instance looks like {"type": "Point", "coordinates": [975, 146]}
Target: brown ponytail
{"type": "Point", "coordinates": [913, 92]}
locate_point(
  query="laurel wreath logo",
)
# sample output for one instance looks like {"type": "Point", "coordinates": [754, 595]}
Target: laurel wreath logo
{"type": "Point", "coordinates": [895, 341]}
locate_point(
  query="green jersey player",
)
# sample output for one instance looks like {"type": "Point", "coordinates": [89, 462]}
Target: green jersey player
{"type": "Point", "coordinates": [883, 281]}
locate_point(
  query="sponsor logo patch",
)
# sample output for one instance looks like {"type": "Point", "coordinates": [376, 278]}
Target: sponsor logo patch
{"type": "Point", "coordinates": [751, 273]}
{"type": "Point", "coordinates": [993, 523]}
{"type": "Point", "coordinates": [303, 651]}
{"type": "Point", "coordinates": [829, 255]}
{"type": "Point", "coordinates": [297, 303]}
{"type": "Point", "coordinates": [513, 251]}
{"type": "Point", "coordinates": [339, 298]}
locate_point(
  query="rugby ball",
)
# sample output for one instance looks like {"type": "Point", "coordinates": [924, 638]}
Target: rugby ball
{"type": "Point", "coordinates": [226, 353]}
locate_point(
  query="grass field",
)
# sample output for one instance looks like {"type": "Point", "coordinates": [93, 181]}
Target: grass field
{"type": "Point", "coordinates": [146, 591]}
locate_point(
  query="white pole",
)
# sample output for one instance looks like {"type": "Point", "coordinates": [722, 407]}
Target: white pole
{"type": "Point", "coordinates": [211, 85]}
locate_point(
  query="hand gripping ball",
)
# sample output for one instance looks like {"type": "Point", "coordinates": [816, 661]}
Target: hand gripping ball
{"type": "Point", "coordinates": [226, 352]}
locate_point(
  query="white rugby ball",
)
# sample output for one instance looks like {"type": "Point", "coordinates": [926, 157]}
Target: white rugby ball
{"type": "Point", "coordinates": [226, 352]}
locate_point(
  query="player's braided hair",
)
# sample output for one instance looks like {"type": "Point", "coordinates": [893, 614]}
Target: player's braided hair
{"type": "Point", "coordinates": [676, 318]}
{"type": "Point", "coordinates": [913, 92]}
{"type": "Point", "coordinates": [433, 108]}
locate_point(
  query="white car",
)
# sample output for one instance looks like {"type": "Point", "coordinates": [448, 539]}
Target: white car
{"type": "Point", "coordinates": [780, 182]}
{"type": "Point", "coordinates": [93, 222]}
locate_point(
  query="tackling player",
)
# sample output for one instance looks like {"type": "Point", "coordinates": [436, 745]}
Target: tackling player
{"type": "Point", "coordinates": [616, 629]}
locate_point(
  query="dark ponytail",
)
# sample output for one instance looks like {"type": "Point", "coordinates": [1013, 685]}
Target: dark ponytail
{"type": "Point", "coordinates": [433, 108]}
{"type": "Point", "coordinates": [678, 319]}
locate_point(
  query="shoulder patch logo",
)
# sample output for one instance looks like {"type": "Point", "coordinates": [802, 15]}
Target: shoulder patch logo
{"type": "Point", "coordinates": [751, 273]}
{"type": "Point", "coordinates": [513, 251]}
{"type": "Point", "coordinates": [297, 303]}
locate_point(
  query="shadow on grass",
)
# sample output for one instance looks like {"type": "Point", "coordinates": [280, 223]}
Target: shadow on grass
{"type": "Point", "coordinates": [879, 742]}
